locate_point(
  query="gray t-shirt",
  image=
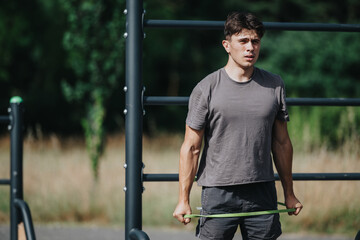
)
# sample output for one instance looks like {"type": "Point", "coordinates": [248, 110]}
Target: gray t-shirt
{"type": "Point", "coordinates": [238, 120]}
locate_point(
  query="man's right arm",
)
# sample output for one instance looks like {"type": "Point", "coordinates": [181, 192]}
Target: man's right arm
{"type": "Point", "coordinates": [189, 156]}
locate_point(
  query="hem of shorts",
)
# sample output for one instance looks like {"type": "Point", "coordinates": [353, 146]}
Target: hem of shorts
{"type": "Point", "coordinates": [198, 235]}
{"type": "Point", "coordinates": [234, 183]}
{"type": "Point", "coordinates": [278, 234]}
{"type": "Point", "coordinates": [201, 236]}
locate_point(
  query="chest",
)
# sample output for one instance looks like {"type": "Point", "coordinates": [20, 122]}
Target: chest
{"type": "Point", "coordinates": [251, 102]}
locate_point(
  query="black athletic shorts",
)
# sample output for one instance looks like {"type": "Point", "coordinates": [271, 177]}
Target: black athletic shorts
{"type": "Point", "coordinates": [235, 199]}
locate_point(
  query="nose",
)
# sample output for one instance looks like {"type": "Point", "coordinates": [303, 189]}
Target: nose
{"type": "Point", "coordinates": [249, 46]}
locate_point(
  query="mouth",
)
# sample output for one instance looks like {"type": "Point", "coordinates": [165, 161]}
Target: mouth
{"type": "Point", "coordinates": [249, 57]}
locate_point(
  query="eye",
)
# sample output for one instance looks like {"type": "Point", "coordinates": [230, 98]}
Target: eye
{"type": "Point", "coordinates": [244, 40]}
{"type": "Point", "coordinates": [256, 41]}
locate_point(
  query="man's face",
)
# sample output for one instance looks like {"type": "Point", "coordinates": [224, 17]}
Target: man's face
{"type": "Point", "coordinates": [243, 48]}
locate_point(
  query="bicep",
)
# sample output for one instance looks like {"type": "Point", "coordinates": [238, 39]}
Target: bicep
{"type": "Point", "coordinates": [280, 132]}
{"type": "Point", "coordinates": [193, 137]}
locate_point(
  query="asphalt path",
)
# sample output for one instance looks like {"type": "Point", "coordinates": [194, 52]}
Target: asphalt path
{"type": "Point", "coordinates": [61, 232]}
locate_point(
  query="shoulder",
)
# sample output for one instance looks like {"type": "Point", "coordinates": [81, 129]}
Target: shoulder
{"type": "Point", "coordinates": [269, 77]}
{"type": "Point", "coordinates": [210, 81]}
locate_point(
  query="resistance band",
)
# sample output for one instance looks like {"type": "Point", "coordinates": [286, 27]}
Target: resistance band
{"type": "Point", "coordinates": [245, 214]}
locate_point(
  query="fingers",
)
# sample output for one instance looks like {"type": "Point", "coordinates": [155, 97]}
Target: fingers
{"type": "Point", "coordinates": [180, 217]}
{"type": "Point", "coordinates": [298, 207]}
{"type": "Point", "coordinates": [292, 202]}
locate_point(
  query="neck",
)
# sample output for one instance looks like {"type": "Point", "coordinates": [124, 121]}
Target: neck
{"type": "Point", "coordinates": [239, 74]}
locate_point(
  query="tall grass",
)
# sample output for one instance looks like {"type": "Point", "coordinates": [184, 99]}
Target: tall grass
{"type": "Point", "coordinates": [59, 187]}
{"type": "Point", "coordinates": [312, 128]}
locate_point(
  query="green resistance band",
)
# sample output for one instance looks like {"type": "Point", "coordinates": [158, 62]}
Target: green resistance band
{"type": "Point", "coordinates": [245, 214]}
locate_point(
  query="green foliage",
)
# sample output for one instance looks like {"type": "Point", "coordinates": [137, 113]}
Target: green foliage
{"type": "Point", "coordinates": [4, 203]}
{"type": "Point", "coordinates": [319, 65]}
{"type": "Point", "coordinates": [81, 42]}
{"type": "Point", "coordinates": [94, 130]}
{"type": "Point", "coordinates": [314, 64]}
{"type": "Point", "coordinates": [95, 54]}
{"type": "Point", "coordinates": [10, 38]}
{"type": "Point", "coordinates": [33, 62]}
{"type": "Point", "coordinates": [304, 128]}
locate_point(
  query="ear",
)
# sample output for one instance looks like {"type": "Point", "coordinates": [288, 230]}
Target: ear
{"type": "Point", "coordinates": [226, 45]}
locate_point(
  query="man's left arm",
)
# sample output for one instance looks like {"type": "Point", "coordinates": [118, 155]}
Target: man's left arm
{"type": "Point", "coordinates": [283, 153]}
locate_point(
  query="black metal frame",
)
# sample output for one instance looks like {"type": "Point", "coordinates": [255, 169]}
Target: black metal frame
{"type": "Point", "coordinates": [219, 25]}
{"type": "Point", "coordinates": [19, 210]}
{"type": "Point", "coordinates": [133, 118]}
{"type": "Point", "coordinates": [135, 101]}
{"type": "Point", "coordinates": [158, 100]}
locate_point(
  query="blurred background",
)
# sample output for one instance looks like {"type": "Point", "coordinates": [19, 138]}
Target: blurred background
{"type": "Point", "coordinates": [65, 58]}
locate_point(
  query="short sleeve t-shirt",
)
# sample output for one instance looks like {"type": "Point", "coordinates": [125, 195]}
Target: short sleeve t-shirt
{"type": "Point", "coordinates": [238, 120]}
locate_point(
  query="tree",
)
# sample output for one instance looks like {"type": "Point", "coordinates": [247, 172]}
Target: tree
{"type": "Point", "coordinates": [95, 47]}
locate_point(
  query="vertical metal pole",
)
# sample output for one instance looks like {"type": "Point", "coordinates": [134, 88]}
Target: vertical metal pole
{"type": "Point", "coordinates": [134, 116]}
{"type": "Point", "coordinates": [16, 168]}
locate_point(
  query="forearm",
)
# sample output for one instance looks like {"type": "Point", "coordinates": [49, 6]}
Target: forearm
{"type": "Point", "coordinates": [189, 156]}
{"type": "Point", "coordinates": [283, 154]}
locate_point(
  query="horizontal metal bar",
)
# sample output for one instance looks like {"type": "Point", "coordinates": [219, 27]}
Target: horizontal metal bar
{"type": "Point", "coordinates": [325, 176]}
{"type": "Point", "coordinates": [173, 177]}
{"type": "Point", "coordinates": [189, 24]}
{"type": "Point", "coordinates": [326, 27]}
{"type": "Point", "coordinates": [4, 181]}
{"type": "Point", "coordinates": [323, 101]}
{"type": "Point", "coordinates": [159, 100]}
{"type": "Point", "coordinates": [160, 177]}
{"type": "Point", "coordinates": [4, 119]}
{"type": "Point", "coordinates": [219, 25]}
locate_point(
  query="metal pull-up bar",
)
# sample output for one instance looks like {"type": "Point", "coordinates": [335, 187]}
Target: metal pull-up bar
{"type": "Point", "coordinates": [219, 25]}
{"type": "Point", "coordinates": [159, 100]}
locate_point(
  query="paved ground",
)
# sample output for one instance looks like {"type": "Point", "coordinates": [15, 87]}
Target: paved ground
{"type": "Point", "coordinates": [58, 232]}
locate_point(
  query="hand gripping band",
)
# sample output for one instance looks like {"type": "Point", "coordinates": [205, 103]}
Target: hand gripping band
{"type": "Point", "coordinates": [245, 214]}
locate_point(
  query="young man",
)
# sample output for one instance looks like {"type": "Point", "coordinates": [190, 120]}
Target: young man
{"type": "Point", "coordinates": [240, 111]}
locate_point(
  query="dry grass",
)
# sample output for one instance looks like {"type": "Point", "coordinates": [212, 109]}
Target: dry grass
{"type": "Point", "coordinates": [329, 206]}
{"type": "Point", "coordinates": [59, 186]}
